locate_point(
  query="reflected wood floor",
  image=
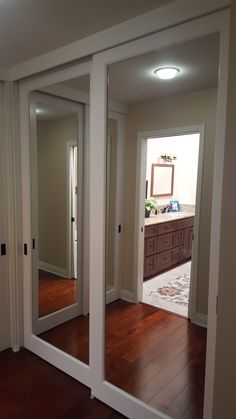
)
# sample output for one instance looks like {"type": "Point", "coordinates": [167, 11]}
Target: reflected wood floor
{"type": "Point", "coordinates": [30, 388]}
{"type": "Point", "coordinates": [153, 355]}
{"type": "Point", "coordinates": [55, 293]}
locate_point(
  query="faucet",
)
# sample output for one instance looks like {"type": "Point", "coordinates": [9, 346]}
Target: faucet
{"type": "Point", "coordinates": [165, 209]}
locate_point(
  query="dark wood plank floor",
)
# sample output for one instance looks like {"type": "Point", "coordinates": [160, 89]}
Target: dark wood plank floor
{"type": "Point", "coordinates": [55, 293]}
{"type": "Point", "coordinates": [30, 388]}
{"type": "Point", "coordinates": [155, 356]}
{"type": "Point", "coordinates": [71, 337]}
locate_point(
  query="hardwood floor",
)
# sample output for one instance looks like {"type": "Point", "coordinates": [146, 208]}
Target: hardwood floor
{"type": "Point", "coordinates": [30, 388]}
{"type": "Point", "coordinates": [71, 337]}
{"type": "Point", "coordinates": [55, 293]}
{"type": "Point", "coordinates": [153, 355]}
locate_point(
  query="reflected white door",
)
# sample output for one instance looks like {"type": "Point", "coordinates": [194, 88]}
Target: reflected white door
{"type": "Point", "coordinates": [74, 214]}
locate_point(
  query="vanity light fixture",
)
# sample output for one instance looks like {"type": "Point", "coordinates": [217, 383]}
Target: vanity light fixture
{"type": "Point", "coordinates": [166, 73]}
{"type": "Point", "coordinates": [38, 110]}
{"type": "Point", "coordinates": [168, 157]}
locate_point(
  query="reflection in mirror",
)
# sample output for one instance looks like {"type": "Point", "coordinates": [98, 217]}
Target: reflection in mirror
{"type": "Point", "coordinates": [59, 193]}
{"type": "Point", "coordinates": [152, 351]}
{"type": "Point", "coordinates": [112, 151]}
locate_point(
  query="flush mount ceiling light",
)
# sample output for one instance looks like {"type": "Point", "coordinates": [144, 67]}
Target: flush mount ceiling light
{"type": "Point", "coordinates": [166, 73]}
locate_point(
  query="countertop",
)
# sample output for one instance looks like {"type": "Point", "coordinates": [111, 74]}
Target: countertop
{"type": "Point", "coordinates": [167, 216]}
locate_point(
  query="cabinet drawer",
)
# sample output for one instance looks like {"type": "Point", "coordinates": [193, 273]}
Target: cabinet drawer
{"type": "Point", "coordinates": [166, 227]}
{"type": "Point", "coordinates": [149, 266]}
{"type": "Point", "coordinates": [185, 222]}
{"type": "Point", "coordinates": [164, 260]}
{"type": "Point", "coordinates": [178, 254]}
{"type": "Point", "coordinates": [165, 242]}
{"type": "Point", "coordinates": [150, 246]}
{"type": "Point", "coordinates": [179, 238]}
{"type": "Point", "coordinates": [150, 231]}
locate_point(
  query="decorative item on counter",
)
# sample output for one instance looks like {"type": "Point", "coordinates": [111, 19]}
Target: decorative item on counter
{"type": "Point", "coordinates": [150, 206]}
{"type": "Point", "coordinates": [174, 206]}
{"type": "Point", "coordinates": [168, 157]}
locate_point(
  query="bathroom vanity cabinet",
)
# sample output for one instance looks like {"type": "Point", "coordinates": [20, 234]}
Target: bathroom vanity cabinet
{"type": "Point", "coordinates": [167, 244]}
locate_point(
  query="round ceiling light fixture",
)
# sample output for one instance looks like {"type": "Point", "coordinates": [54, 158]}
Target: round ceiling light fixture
{"type": "Point", "coordinates": [166, 73]}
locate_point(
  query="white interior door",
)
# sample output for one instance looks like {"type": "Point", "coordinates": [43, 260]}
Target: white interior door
{"type": "Point", "coordinates": [74, 220]}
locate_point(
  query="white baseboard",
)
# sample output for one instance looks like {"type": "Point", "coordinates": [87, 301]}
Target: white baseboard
{"type": "Point", "coordinates": [127, 296]}
{"type": "Point", "coordinates": [16, 348]}
{"type": "Point", "coordinates": [200, 320]}
{"type": "Point", "coordinates": [52, 269]}
{"type": "Point", "coordinates": [112, 295]}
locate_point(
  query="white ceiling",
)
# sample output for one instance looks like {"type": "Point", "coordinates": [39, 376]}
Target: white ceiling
{"type": "Point", "coordinates": [133, 80]}
{"type": "Point", "coordinates": [48, 112]}
{"type": "Point", "coordinates": [29, 28]}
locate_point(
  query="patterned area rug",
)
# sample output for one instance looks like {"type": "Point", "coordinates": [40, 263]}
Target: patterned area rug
{"type": "Point", "coordinates": [176, 291]}
{"type": "Point", "coordinates": [170, 290]}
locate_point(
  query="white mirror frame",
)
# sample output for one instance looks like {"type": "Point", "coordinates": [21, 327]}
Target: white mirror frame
{"type": "Point", "coordinates": [102, 389]}
{"type": "Point", "coordinates": [55, 356]}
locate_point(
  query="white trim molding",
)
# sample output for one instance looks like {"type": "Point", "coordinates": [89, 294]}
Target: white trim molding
{"type": "Point", "coordinates": [138, 253]}
{"type": "Point", "coordinates": [127, 296]}
{"type": "Point", "coordinates": [52, 269]}
{"type": "Point", "coordinates": [14, 233]}
{"type": "Point", "coordinates": [200, 320]}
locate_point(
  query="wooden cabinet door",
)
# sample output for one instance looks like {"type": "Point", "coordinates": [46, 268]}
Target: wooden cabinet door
{"type": "Point", "coordinates": [190, 241]}
{"type": "Point", "coordinates": [178, 254]}
{"type": "Point", "coordinates": [150, 246]}
{"type": "Point", "coordinates": [188, 238]}
{"type": "Point", "coordinates": [164, 260]}
{"type": "Point", "coordinates": [149, 266]}
{"type": "Point", "coordinates": [165, 242]}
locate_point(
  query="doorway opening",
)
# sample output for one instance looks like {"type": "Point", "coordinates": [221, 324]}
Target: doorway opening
{"type": "Point", "coordinates": [171, 186]}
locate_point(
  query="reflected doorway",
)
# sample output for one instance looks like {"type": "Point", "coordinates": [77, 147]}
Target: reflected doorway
{"type": "Point", "coordinates": [169, 225]}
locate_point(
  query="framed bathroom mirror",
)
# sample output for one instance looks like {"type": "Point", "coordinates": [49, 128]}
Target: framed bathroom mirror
{"type": "Point", "coordinates": [162, 180]}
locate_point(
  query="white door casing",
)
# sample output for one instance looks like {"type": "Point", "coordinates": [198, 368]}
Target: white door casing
{"type": "Point", "coordinates": [141, 159]}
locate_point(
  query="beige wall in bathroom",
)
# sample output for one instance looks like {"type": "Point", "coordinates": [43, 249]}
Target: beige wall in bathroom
{"type": "Point", "coordinates": [171, 112]}
{"type": "Point", "coordinates": [52, 138]}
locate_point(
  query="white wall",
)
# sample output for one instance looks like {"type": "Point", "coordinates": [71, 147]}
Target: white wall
{"type": "Point", "coordinates": [186, 148]}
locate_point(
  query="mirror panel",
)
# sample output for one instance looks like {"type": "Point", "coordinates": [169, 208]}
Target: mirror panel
{"type": "Point", "coordinates": [111, 182]}
{"type": "Point", "coordinates": [162, 180]}
{"type": "Point", "coordinates": [59, 200]}
{"type": "Point", "coordinates": [57, 163]}
{"type": "Point", "coordinates": [150, 352]}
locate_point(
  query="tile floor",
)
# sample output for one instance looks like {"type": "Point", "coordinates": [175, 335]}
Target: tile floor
{"type": "Point", "coordinates": [174, 304]}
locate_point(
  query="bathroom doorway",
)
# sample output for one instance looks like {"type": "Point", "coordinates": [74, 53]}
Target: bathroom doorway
{"type": "Point", "coordinates": [171, 180]}
{"type": "Point", "coordinates": [171, 170]}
